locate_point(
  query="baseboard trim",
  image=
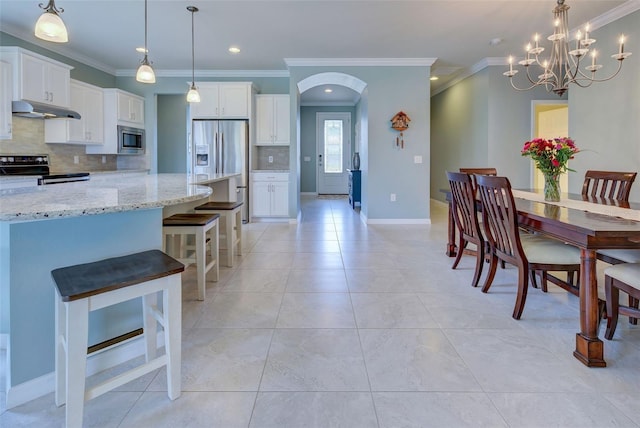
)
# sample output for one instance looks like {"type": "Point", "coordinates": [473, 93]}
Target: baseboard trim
{"type": "Point", "coordinates": [97, 362]}
{"type": "Point", "coordinates": [399, 221]}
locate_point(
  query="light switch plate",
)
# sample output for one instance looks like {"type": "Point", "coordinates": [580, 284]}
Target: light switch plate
{"type": "Point", "coordinates": [417, 159]}
{"type": "Point", "coordinates": [307, 158]}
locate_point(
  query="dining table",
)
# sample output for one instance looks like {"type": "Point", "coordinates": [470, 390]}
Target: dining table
{"type": "Point", "coordinates": [588, 223]}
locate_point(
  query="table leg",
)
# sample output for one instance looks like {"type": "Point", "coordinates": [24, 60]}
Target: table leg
{"type": "Point", "coordinates": [589, 348]}
{"type": "Point", "coordinates": [451, 245]}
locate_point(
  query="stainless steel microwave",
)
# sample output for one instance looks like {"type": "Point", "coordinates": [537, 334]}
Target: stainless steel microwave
{"type": "Point", "coordinates": [130, 140]}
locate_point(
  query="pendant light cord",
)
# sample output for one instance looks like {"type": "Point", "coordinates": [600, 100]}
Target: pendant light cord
{"type": "Point", "coordinates": [193, 53]}
{"type": "Point", "coordinates": [145, 29]}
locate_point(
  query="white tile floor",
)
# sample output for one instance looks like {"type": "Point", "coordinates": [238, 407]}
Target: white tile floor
{"type": "Point", "coordinates": [334, 323]}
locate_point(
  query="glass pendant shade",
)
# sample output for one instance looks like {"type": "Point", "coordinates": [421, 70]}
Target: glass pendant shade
{"type": "Point", "coordinates": [50, 27]}
{"type": "Point", "coordinates": [193, 96]}
{"type": "Point", "coordinates": [145, 73]}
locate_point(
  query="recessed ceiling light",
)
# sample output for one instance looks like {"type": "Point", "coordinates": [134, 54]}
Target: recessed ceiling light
{"type": "Point", "coordinates": [142, 50]}
{"type": "Point", "coordinates": [328, 90]}
{"type": "Point", "coordinates": [433, 78]}
{"type": "Point", "coordinates": [234, 49]}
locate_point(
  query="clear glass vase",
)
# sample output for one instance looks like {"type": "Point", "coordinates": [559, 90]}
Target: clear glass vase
{"type": "Point", "coordinates": [551, 188]}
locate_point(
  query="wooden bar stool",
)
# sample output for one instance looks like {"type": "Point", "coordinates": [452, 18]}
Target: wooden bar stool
{"type": "Point", "coordinates": [91, 286]}
{"type": "Point", "coordinates": [199, 224]}
{"type": "Point", "coordinates": [231, 213]}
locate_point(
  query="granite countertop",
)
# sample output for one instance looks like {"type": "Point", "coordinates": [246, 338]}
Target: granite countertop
{"type": "Point", "coordinates": [205, 179]}
{"type": "Point", "coordinates": [99, 197]}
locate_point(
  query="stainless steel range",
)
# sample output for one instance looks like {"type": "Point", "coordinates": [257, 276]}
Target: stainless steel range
{"type": "Point", "coordinates": [36, 165]}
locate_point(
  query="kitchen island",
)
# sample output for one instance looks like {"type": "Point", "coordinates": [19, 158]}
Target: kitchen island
{"type": "Point", "coordinates": [47, 227]}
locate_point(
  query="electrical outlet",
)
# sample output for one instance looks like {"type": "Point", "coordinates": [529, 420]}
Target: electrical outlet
{"type": "Point", "coordinates": [270, 159]}
{"type": "Point", "coordinates": [104, 159]}
{"type": "Point", "coordinates": [76, 159]}
{"type": "Point", "coordinates": [393, 197]}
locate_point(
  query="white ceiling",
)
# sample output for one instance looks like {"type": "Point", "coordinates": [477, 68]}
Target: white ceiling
{"type": "Point", "coordinates": [456, 33]}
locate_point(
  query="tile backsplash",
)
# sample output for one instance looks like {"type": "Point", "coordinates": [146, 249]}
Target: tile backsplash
{"type": "Point", "coordinates": [280, 156]}
{"type": "Point", "coordinates": [28, 138]}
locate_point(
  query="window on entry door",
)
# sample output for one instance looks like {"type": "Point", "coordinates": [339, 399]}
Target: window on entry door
{"type": "Point", "coordinates": [333, 147]}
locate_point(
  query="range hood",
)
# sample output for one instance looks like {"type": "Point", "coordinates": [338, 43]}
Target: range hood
{"type": "Point", "coordinates": [42, 111]}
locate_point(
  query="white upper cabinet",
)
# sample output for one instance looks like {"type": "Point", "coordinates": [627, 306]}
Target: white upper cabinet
{"type": "Point", "coordinates": [130, 109]}
{"type": "Point", "coordinates": [5, 101]}
{"type": "Point", "coordinates": [272, 119]}
{"type": "Point", "coordinates": [226, 100]}
{"type": "Point", "coordinates": [88, 100]}
{"type": "Point", "coordinates": [37, 78]}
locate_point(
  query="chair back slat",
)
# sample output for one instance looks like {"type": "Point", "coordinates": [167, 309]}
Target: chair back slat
{"type": "Point", "coordinates": [608, 184]}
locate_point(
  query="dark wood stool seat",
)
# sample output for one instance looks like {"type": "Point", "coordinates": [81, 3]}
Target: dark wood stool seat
{"type": "Point", "coordinates": [219, 206]}
{"type": "Point", "coordinates": [89, 279]}
{"type": "Point", "coordinates": [152, 276]}
{"type": "Point", "coordinates": [190, 219]}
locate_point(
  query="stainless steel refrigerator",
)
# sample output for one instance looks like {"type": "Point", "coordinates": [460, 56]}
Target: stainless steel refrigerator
{"type": "Point", "coordinates": [222, 147]}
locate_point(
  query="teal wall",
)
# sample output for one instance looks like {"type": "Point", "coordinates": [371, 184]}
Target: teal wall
{"type": "Point", "coordinates": [308, 170]}
{"type": "Point", "coordinates": [172, 133]}
{"type": "Point", "coordinates": [80, 71]}
{"type": "Point", "coordinates": [482, 122]}
{"type": "Point", "coordinates": [386, 169]}
{"type": "Point", "coordinates": [32, 297]}
{"type": "Point", "coordinates": [604, 119]}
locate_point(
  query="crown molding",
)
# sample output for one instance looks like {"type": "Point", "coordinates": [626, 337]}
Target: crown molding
{"type": "Point", "coordinates": [209, 73]}
{"type": "Point", "coordinates": [57, 48]}
{"type": "Point", "coordinates": [359, 62]}
{"type": "Point", "coordinates": [614, 14]}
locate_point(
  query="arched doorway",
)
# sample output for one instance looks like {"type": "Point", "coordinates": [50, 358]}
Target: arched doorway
{"type": "Point", "coordinates": [346, 99]}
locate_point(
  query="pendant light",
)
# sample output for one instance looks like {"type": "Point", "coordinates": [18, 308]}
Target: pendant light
{"type": "Point", "coordinates": [145, 73]}
{"type": "Point", "coordinates": [193, 96]}
{"type": "Point", "coordinates": [49, 26]}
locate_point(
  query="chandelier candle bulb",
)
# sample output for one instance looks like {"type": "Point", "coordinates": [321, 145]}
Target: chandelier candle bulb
{"type": "Point", "coordinates": [536, 37]}
{"type": "Point", "coordinates": [578, 35]}
{"type": "Point", "coordinates": [593, 58]}
{"type": "Point", "coordinates": [621, 44]}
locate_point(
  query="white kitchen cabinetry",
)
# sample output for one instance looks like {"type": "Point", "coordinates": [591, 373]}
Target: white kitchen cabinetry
{"type": "Point", "coordinates": [88, 100]}
{"type": "Point", "coordinates": [270, 194]}
{"type": "Point", "coordinates": [38, 78]}
{"type": "Point", "coordinates": [272, 119]}
{"type": "Point", "coordinates": [130, 109]}
{"type": "Point", "coordinates": [5, 101]}
{"type": "Point", "coordinates": [222, 101]}
{"type": "Point", "coordinates": [114, 100]}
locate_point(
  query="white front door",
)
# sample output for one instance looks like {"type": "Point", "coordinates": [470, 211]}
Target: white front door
{"type": "Point", "coordinates": [334, 149]}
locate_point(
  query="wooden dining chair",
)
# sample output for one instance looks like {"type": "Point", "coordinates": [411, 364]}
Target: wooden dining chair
{"type": "Point", "coordinates": [465, 213]}
{"type": "Point", "coordinates": [528, 252]}
{"type": "Point", "coordinates": [611, 185]}
{"type": "Point", "coordinates": [608, 184]}
{"type": "Point", "coordinates": [478, 171]}
{"type": "Point", "coordinates": [625, 278]}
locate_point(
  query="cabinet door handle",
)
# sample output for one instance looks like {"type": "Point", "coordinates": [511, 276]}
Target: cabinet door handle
{"type": "Point", "coordinates": [51, 96]}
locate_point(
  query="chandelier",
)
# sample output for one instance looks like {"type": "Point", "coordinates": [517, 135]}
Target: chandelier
{"type": "Point", "coordinates": [562, 67]}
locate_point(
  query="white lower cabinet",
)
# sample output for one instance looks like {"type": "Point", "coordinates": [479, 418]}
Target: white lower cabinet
{"type": "Point", "coordinates": [270, 194]}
